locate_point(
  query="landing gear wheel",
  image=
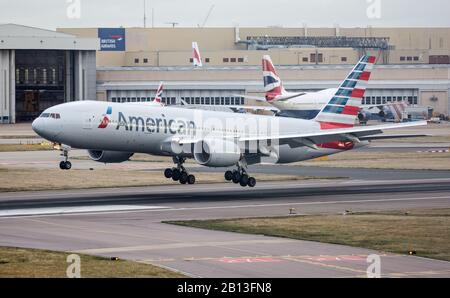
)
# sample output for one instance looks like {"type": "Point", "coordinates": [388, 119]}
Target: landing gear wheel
{"type": "Point", "coordinates": [228, 175]}
{"type": "Point", "coordinates": [168, 173]}
{"type": "Point", "coordinates": [184, 178]}
{"type": "Point", "coordinates": [244, 180]}
{"type": "Point", "coordinates": [65, 165]}
{"type": "Point", "coordinates": [236, 177]}
{"type": "Point", "coordinates": [179, 172]}
{"type": "Point", "coordinates": [251, 182]}
{"type": "Point", "coordinates": [191, 179]}
{"type": "Point", "coordinates": [176, 175]}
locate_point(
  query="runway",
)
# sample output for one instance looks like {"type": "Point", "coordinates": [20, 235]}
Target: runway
{"type": "Point", "coordinates": [107, 225]}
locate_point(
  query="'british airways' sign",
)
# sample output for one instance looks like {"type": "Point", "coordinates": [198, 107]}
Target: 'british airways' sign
{"type": "Point", "coordinates": [112, 39]}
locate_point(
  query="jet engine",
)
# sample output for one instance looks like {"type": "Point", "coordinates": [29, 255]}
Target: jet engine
{"type": "Point", "coordinates": [109, 156]}
{"type": "Point", "coordinates": [217, 153]}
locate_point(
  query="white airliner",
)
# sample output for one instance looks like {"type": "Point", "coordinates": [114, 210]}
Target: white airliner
{"type": "Point", "coordinates": [113, 132]}
{"type": "Point", "coordinates": [307, 105]}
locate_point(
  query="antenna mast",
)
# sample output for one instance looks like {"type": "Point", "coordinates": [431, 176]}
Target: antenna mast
{"type": "Point", "coordinates": [145, 14]}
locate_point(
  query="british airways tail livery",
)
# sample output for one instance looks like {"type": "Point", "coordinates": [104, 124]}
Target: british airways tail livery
{"type": "Point", "coordinates": [159, 91]}
{"type": "Point", "coordinates": [196, 58]}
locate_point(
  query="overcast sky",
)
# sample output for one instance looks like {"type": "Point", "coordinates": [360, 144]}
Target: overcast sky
{"type": "Point", "coordinates": [190, 13]}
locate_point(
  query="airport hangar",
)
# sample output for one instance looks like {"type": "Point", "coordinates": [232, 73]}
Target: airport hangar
{"type": "Point", "coordinates": [413, 63]}
{"type": "Point", "coordinates": [41, 68]}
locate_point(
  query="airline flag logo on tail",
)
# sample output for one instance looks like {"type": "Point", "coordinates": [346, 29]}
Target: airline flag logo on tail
{"type": "Point", "coordinates": [272, 82]}
{"type": "Point", "coordinates": [106, 118]}
{"type": "Point", "coordinates": [159, 92]}
{"type": "Point", "coordinates": [343, 108]}
{"type": "Point", "coordinates": [197, 60]}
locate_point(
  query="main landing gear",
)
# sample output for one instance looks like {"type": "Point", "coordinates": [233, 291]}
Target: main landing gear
{"type": "Point", "coordinates": [240, 176]}
{"type": "Point", "coordinates": [65, 164]}
{"type": "Point", "coordinates": [179, 173]}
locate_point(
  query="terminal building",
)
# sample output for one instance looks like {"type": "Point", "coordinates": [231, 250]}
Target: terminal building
{"type": "Point", "coordinates": [127, 64]}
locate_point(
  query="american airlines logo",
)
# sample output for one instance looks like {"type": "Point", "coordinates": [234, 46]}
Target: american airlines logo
{"type": "Point", "coordinates": [106, 118]}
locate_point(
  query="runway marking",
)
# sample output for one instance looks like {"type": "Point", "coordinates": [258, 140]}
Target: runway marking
{"type": "Point", "coordinates": [168, 209]}
{"type": "Point", "coordinates": [182, 245]}
{"type": "Point", "coordinates": [302, 203]}
{"type": "Point", "coordinates": [326, 265]}
{"type": "Point", "coordinates": [71, 210]}
{"type": "Point", "coordinates": [410, 274]}
{"type": "Point", "coordinates": [249, 260]}
{"type": "Point", "coordinates": [337, 258]}
{"type": "Point", "coordinates": [263, 256]}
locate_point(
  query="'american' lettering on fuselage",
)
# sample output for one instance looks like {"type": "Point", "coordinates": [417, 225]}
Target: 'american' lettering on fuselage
{"type": "Point", "coordinates": [156, 125]}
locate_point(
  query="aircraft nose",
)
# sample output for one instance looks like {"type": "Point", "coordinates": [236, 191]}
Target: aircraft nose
{"type": "Point", "coordinates": [38, 126]}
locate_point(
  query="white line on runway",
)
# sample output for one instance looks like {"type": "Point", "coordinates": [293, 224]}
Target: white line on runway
{"type": "Point", "coordinates": [140, 209]}
{"type": "Point", "coordinates": [303, 203]}
{"type": "Point", "coordinates": [74, 210]}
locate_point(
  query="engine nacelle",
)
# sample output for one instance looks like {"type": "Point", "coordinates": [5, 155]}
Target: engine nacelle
{"type": "Point", "coordinates": [363, 116]}
{"type": "Point", "coordinates": [109, 156]}
{"type": "Point", "coordinates": [217, 153]}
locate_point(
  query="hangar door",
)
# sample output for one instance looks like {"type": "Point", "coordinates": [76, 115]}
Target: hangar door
{"type": "Point", "coordinates": [40, 81]}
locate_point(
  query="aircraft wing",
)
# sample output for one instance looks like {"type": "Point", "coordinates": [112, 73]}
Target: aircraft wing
{"type": "Point", "coordinates": [255, 108]}
{"type": "Point", "coordinates": [387, 104]}
{"type": "Point", "coordinates": [355, 134]}
{"type": "Point", "coordinates": [386, 137]}
{"type": "Point", "coordinates": [279, 98]}
{"type": "Point", "coordinates": [233, 107]}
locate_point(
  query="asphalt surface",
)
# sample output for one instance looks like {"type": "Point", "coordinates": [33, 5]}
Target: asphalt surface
{"type": "Point", "coordinates": [127, 223]}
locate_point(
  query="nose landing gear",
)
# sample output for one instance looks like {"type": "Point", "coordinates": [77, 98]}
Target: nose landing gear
{"type": "Point", "coordinates": [179, 173]}
{"type": "Point", "coordinates": [65, 164]}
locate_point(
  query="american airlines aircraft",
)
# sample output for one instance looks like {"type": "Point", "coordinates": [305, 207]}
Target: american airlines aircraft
{"type": "Point", "coordinates": [113, 132]}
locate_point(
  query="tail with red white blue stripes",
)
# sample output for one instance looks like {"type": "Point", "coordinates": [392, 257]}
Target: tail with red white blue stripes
{"type": "Point", "coordinates": [343, 108]}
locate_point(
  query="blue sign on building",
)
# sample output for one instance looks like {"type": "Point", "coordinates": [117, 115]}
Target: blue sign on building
{"type": "Point", "coordinates": [112, 39]}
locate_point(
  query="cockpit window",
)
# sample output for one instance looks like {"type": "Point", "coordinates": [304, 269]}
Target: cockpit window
{"type": "Point", "coordinates": [51, 115]}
